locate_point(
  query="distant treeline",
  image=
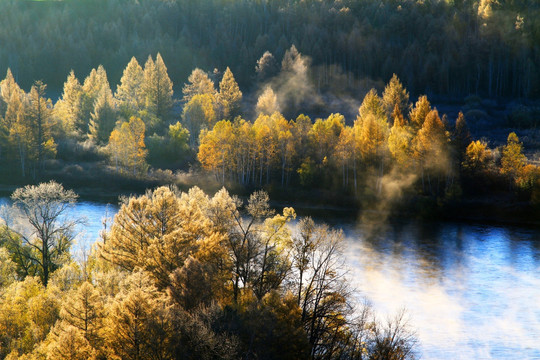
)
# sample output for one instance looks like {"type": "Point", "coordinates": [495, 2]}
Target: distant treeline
{"type": "Point", "coordinates": [451, 48]}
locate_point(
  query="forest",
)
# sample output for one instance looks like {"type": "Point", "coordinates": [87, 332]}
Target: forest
{"type": "Point", "coordinates": [451, 48]}
{"type": "Point", "coordinates": [417, 108]}
{"type": "Point", "coordinates": [181, 275]}
{"type": "Point", "coordinates": [395, 151]}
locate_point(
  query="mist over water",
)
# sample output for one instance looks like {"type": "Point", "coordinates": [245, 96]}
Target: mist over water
{"type": "Point", "coordinates": [472, 292]}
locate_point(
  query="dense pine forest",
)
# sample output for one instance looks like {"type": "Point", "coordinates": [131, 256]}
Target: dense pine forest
{"type": "Point", "coordinates": [451, 48]}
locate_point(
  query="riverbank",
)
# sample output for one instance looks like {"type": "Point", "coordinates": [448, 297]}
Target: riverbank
{"type": "Point", "coordinates": [105, 186]}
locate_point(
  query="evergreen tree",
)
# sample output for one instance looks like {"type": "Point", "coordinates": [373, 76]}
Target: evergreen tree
{"type": "Point", "coordinates": [513, 160]}
{"type": "Point", "coordinates": [372, 104]}
{"type": "Point", "coordinates": [39, 116]}
{"type": "Point", "coordinates": [419, 112]}
{"type": "Point", "coordinates": [266, 67]}
{"type": "Point", "coordinates": [68, 110]}
{"type": "Point", "coordinates": [158, 91]}
{"type": "Point", "coordinates": [8, 87]}
{"type": "Point", "coordinates": [230, 95]}
{"type": "Point", "coordinates": [129, 93]}
{"type": "Point", "coordinates": [103, 119]}
{"type": "Point", "coordinates": [461, 136]}
{"type": "Point", "coordinates": [395, 94]}
{"type": "Point", "coordinates": [94, 85]}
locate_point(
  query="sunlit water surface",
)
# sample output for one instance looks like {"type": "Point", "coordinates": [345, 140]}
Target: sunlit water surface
{"type": "Point", "coordinates": [471, 291]}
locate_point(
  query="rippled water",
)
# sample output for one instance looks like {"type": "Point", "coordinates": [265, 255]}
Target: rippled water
{"type": "Point", "coordinates": [471, 291]}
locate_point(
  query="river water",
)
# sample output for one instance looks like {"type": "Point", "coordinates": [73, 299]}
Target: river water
{"type": "Point", "coordinates": [471, 291]}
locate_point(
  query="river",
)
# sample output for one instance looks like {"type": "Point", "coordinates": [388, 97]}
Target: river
{"type": "Point", "coordinates": [471, 291]}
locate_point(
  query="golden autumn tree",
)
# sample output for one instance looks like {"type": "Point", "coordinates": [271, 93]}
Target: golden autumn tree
{"type": "Point", "coordinates": [325, 134]}
{"type": "Point", "coordinates": [346, 153]}
{"type": "Point", "coordinates": [137, 326]}
{"type": "Point", "coordinates": [157, 89]}
{"type": "Point", "coordinates": [266, 145]}
{"type": "Point", "coordinates": [159, 231]}
{"type": "Point", "coordinates": [285, 142]}
{"type": "Point", "coordinates": [39, 121]}
{"type": "Point", "coordinates": [267, 103]}
{"type": "Point", "coordinates": [371, 104]}
{"type": "Point", "coordinates": [419, 112]}
{"type": "Point", "coordinates": [229, 95]}
{"type": "Point", "coordinates": [126, 146]}
{"type": "Point", "coordinates": [395, 94]}
{"type": "Point", "coordinates": [399, 141]}
{"type": "Point", "coordinates": [95, 84]}
{"type": "Point", "coordinates": [477, 156]}
{"type": "Point", "coordinates": [198, 84]}
{"type": "Point", "coordinates": [215, 149]}
{"type": "Point", "coordinates": [244, 147]}
{"type": "Point", "coordinates": [130, 91]}
{"type": "Point", "coordinates": [68, 109]}
{"type": "Point", "coordinates": [513, 160]}
{"type": "Point", "coordinates": [431, 151]}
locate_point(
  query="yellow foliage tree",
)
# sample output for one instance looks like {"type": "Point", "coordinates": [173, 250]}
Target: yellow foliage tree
{"type": "Point", "coordinates": [126, 146]}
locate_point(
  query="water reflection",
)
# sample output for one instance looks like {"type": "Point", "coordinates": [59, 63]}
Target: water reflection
{"type": "Point", "coordinates": [472, 290]}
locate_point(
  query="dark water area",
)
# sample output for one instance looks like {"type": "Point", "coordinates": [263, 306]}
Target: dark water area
{"type": "Point", "coordinates": [472, 291]}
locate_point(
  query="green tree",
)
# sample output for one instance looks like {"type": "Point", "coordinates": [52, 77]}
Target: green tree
{"type": "Point", "coordinates": [178, 139]}
{"type": "Point", "coordinates": [199, 113]}
{"type": "Point", "coordinates": [103, 119]}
